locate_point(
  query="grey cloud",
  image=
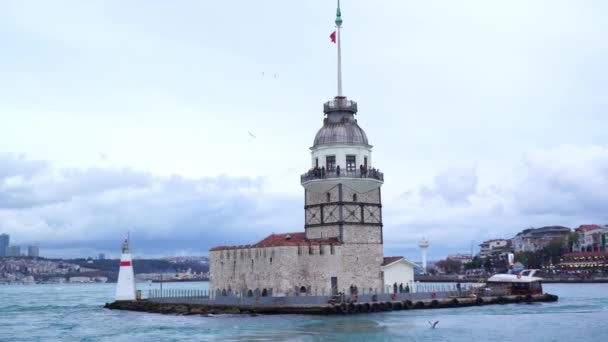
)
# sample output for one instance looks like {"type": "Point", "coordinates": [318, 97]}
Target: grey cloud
{"type": "Point", "coordinates": [564, 186]}
{"type": "Point", "coordinates": [454, 186]}
{"type": "Point", "coordinates": [17, 165]}
{"type": "Point", "coordinates": [94, 208]}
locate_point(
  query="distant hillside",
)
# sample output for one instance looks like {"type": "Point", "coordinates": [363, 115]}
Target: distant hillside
{"type": "Point", "coordinates": [143, 265]}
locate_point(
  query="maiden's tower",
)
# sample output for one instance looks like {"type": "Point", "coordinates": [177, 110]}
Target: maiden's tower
{"type": "Point", "coordinates": [341, 245]}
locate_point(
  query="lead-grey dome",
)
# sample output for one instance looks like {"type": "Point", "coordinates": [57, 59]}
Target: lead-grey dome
{"type": "Point", "coordinates": [345, 132]}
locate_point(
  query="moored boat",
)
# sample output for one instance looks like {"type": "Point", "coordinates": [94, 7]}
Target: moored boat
{"type": "Point", "coordinates": [522, 283]}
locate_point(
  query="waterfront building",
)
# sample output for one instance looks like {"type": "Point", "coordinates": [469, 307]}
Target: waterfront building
{"type": "Point", "coordinates": [494, 246]}
{"type": "Point", "coordinates": [592, 238]}
{"type": "Point", "coordinates": [5, 240]}
{"type": "Point", "coordinates": [462, 258]}
{"type": "Point", "coordinates": [33, 251]}
{"type": "Point", "coordinates": [584, 261]}
{"type": "Point", "coordinates": [101, 256]}
{"type": "Point", "coordinates": [535, 239]}
{"type": "Point", "coordinates": [13, 251]}
{"type": "Point", "coordinates": [342, 243]}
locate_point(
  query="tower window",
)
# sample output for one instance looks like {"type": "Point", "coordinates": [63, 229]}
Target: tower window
{"type": "Point", "coordinates": [328, 197]}
{"type": "Point", "coordinates": [330, 163]}
{"type": "Point", "coordinates": [331, 249]}
{"type": "Point", "coordinates": [365, 162]}
{"type": "Point", "coordinates": [316, 162]}
{"type": "Point", "coordinates": [351, 163]}
{"type": "Point", "coordinates": [354, 197]}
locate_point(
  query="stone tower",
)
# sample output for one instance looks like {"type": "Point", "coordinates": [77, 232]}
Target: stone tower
{"type": "Point", "coordinates": [342, 189]}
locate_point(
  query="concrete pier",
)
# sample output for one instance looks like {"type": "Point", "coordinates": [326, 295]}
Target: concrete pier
{"type": "Point", "coordinates": [322, 309]}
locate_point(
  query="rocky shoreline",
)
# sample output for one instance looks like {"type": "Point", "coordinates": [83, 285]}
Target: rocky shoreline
{"type": "Point", "coordinates": [321, 309]}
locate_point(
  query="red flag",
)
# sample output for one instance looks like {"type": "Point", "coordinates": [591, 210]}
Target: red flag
{"type": "Point", "coordinates": [332, 36]}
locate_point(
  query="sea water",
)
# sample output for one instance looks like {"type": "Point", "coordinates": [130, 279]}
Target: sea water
{"type": "Point", "coordinates": [74, 312]}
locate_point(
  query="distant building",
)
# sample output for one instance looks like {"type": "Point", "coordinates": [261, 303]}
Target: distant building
{"type": "Point", "coordinates": [33, 251]}
{"type": "Point", "coordinates": [592, 238]}
{"type": "Point", "coordinates": [13, 251]}
{"type": "Point", "coordinates": [463, 258]}
{"type": "Point", "coordinates": [102, 256]}
{"type": "Point", "coordinates": [584, 261]}
{"type": "Point", "coordinates": [535, 239]}
{"type": "Point", "coordinates": [494, 246]}
{"type": "Point", "coordinates": [5, 240]}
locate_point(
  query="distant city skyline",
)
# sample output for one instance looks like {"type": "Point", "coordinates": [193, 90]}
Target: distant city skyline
{"type": "Point", "coordinates": [486, 118]}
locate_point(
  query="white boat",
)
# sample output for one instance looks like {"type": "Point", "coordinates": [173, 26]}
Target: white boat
{"type": "Point", "coordinates": [522, 283]}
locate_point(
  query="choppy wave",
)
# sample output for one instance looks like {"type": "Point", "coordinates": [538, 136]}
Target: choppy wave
{"type": "Point", "coordinates": [74, 312]}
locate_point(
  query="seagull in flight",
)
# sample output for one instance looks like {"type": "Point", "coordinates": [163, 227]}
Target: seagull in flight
{"type": "Point", "coordinates": [251, 134]}
{"type": "Point", "coordinates": [433, 325]}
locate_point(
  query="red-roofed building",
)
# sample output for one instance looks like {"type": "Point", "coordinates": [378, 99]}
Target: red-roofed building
{"type": "Point", "coordinates": [592, 238]}
{"type": "Point", "coordinates": [584, 261]}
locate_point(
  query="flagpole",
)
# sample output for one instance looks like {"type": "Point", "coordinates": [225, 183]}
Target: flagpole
{"type": "Point", "coordinates": [338, 26]}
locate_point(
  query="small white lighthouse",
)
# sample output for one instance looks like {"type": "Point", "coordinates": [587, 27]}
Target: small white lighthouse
{"type": "Point", "coordinates": [424, 245]}
{"type": "Point", "coordinates": [125, 287]}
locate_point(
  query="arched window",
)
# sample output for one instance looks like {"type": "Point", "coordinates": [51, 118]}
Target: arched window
{"type": "Point", "coordinates": [224, 292]}
{"type": "Point", "coordinates": [249, 293]}
{"type": "Point", "coordinates": [264, 293]}
{"type": "Point", "coordinates": [303, 289]}
{"type": "Point", "coordinates": [354, 197]}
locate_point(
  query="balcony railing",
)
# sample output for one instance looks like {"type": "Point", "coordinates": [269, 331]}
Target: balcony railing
{"type": "Point", "coordinates": [340, 104]}
{"type": "Point", "coordinates": [314, 174]}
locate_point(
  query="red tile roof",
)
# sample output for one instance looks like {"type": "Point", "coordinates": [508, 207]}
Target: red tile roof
{"type": "Point", "coordinates": [390, 260]}
{"type": "Point", "coordinates": [287, 239]}
{"type": "Point", "coordinates": [587, 227]}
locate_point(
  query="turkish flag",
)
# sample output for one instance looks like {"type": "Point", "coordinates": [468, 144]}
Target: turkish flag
{"type": "Point", "coordinates": [332, 36]}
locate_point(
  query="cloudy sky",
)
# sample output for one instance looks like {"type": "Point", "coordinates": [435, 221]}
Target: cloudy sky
{"type": "Point", "coordinates": [486, 117]}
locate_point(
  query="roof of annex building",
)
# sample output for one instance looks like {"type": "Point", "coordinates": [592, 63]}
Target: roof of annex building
{"type": "Point", "coordinates": [279, 240]}
{"type": "Point", "coordinates": [588, 227]}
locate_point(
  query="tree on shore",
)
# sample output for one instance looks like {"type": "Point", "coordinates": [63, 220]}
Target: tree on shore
{"type": "Point", "coordinates": [573, 240]}
{"type": "Point", "coordinates": [476, 263]}
{"type": "Point", "coordinates": [449, 266]}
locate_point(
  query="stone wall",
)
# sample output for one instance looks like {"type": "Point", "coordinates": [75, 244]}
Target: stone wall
{"type": "Point", "coordinates": [295, 266]}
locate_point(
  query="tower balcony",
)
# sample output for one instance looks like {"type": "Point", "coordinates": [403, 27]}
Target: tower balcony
{"type": "Point", "coordinates": [340, 104]}
{"type": "Point", "coordinates": [319, 180]}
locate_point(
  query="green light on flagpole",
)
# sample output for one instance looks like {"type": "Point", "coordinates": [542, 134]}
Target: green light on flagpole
{"type": "Point", "coordinates": [338, 15]}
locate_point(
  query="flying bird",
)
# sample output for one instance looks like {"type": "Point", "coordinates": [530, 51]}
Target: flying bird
{"type": "Point", "coordinates": [433, 325]}
{"type": "Point", "coordinates": [251, 134]}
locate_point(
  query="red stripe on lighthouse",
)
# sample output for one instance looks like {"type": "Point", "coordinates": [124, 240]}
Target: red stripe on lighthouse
{"type": "Point", "coordinates": [125, 263]}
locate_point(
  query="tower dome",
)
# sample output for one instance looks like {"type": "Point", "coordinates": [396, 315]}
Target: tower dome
{"type": "Point", "coordinates": [340, 125]}
{"type": "Point", "coordinates": [345, 132]}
